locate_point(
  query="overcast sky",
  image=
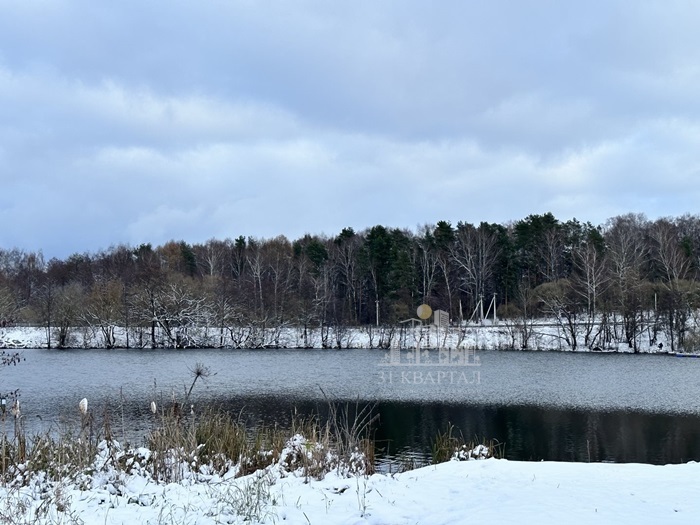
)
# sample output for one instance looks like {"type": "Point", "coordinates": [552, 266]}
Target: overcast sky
{"type": "Point", "coordinates": [146, 121]}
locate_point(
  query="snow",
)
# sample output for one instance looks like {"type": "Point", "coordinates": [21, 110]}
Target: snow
{"type": "Point", "coordinates": [456, 492]}
{"type": "Point", "coordinates": [501, 335]}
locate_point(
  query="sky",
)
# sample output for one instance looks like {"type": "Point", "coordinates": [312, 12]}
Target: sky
{"type": "Point", "coordinates": [131, 122]}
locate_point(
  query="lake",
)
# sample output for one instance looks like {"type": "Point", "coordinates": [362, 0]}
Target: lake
{"type": "Point", "coordinates": [541, 405]}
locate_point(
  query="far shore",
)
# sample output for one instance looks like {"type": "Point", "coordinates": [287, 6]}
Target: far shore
{"type": "Point", "coordinates": [505, 335]}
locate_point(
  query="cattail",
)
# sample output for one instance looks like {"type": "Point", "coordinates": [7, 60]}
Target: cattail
{"type": "Point", "coordinates": [83, 406]}
{"type": "Point", "coordinates": [154, 408]}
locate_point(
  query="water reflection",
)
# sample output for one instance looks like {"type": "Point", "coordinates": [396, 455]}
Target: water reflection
{"type": "Point", "coordinates": [535, 433]}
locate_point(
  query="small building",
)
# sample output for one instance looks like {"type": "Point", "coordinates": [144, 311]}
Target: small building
{"type": "Point", "coordinates": [441, 318]}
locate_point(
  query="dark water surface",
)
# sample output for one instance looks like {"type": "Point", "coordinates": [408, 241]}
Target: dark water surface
{"type": "Point", "coordinates": [541, 405]}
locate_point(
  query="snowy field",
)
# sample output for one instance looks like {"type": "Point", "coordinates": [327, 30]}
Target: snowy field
{"type": "Point", "coordinates": [456, 492]}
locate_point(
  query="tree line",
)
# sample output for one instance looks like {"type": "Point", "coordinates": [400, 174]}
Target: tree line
{"type": "Point", "coordinates": [620, 279]}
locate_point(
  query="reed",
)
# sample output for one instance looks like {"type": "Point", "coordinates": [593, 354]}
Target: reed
{"type": "Point", "coordinates": [448, 446]}
{"type": "Point", "coordinates": [215, 442]}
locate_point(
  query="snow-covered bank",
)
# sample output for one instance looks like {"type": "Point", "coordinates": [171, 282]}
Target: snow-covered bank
{"type": "Point", "coordinates": [502, 335]}
{"type": "Point", "coordinates": [456, 492]}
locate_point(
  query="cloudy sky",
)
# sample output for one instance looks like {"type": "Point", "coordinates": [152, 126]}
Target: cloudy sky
{"type": "Point", "coordinates": [146, 121]}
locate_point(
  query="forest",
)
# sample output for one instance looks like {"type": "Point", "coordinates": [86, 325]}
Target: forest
{"type": "Point", "coordinates": [624, 276]}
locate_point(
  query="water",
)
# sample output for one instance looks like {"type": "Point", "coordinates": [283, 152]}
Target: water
{"type": "Point", "coordinates": [543, 406]}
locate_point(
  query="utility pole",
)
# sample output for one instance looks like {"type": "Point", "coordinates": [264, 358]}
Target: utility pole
{"type": "Point", "coordinates": [494, 309]}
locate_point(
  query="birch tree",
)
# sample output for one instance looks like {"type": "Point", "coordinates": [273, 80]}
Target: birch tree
{"type": "Point", "coordinates": [475, 252]}
{"type": "Point", "coordinates": [627, 252]}
{"type": "Point", "coordinates": [589, 280]}
{"type": "Point", "coordinates": [677, 291]}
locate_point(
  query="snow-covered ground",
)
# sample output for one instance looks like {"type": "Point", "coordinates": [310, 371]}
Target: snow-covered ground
{"type": "Point", "coordinates": [501, 335]}
{"type": "Point", "coordinates": [456, 492]}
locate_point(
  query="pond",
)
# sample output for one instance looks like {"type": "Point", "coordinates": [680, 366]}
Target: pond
{"type": "Point", "coordinates": [541, 405]}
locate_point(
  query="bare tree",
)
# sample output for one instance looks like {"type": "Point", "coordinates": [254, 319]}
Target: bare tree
{"type": "Point", "coordinates": [344, 255]}
{"type": "Point", "coordinates": [627, 249]}
{"type": "Point", "coordinates": [8, 306]}
{"type": "Point", "coordinates": [589, 280]}
{"type": "Point", "coordinates": [67, 311]}
{"type": "Point", "coordinates": [211, 257]}
{"type": "Point", "coordinates": [277, 255]}
{"type": "Point", "coordinates": [519, 323]}
{"type": "Point", "coordinates": [557, 301]}
{"type": "Point", "coordinates": [552, 254]}
{"type": "Point", "coordinates": [256, 263]}
{"type": "Point", "coordinates": [426, 259]}
{"type": "Point", "coordinates": [475, 252]}
{"type": "Point", "coordinates": [174, 309]}
{"type": "Point", "coordinates": [103, 309]}
{"type": "Point", "coordinates": [225, 310]}
{"type": "Point", "coordinates": [675, 266]}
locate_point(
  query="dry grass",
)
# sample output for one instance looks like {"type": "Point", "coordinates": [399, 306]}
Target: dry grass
{"type": "Point", "coordinates": [448, 446]}
{"type": "Point", "coordinates": [217, 443]}
{"type": "Point", "coordinates": [223, 438]}
{"type": "Point", "coordinates": [56, 457]}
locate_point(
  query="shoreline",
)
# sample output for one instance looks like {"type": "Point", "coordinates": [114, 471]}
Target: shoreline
{"type": "Point", "coordinates": [472, 337]}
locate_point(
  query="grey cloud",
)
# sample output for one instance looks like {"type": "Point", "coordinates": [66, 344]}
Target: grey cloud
{"type": "Point", "coordinates": [135, 122]}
